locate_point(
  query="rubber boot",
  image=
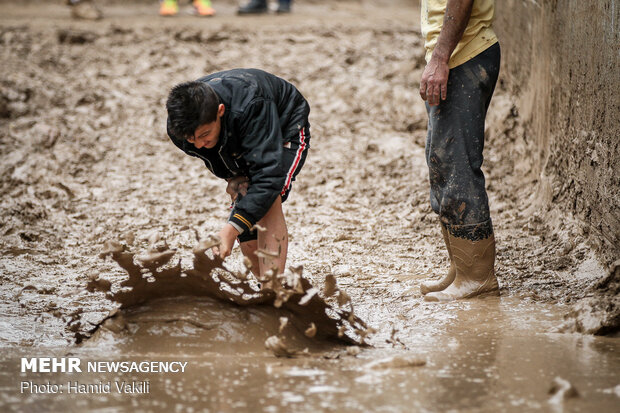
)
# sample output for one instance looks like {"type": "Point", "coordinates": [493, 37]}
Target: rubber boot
{"type": "Point", "coordinates": [254, 7]}
{"type": "Point", "coordinates": [475, 270]}
{"type": "Point", "coordinates": [443, 283]}
{"type": "Point", "coordinates": [284, 6]}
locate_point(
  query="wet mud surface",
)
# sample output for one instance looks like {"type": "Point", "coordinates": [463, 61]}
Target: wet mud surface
{"type": "Point", "coordinates": [85, 161]}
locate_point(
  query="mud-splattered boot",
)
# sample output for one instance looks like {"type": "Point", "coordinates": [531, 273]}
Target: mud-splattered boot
{"type": "Point", "coordinates": [443, 283]}
{"type": "Point", "coordinates": [253, 7]}
{"type": "Point", "coordinates": [475, 270]}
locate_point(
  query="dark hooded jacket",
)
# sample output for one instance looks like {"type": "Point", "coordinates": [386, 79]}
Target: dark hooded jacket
{"type": "Point", "coordinates": [262, 113]}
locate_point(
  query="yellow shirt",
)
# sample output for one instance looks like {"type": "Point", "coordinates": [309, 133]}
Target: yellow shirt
{"type": "Point", "coordinates": [478, 35]}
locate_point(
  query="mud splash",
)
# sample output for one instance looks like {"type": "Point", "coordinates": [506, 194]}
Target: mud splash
{"type": "Point", "coordinates": [156, 274]}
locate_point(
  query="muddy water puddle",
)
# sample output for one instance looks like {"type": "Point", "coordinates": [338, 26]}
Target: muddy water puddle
{"type": "Point", "coordinates": [488, 355]}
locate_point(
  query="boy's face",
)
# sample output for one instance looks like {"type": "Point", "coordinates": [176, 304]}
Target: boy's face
{"type": "Point", "coordinates": [207, 135]}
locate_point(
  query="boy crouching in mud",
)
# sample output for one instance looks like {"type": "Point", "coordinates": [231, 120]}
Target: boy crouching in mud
{"type": "Point", "coordinates": [250, 128]}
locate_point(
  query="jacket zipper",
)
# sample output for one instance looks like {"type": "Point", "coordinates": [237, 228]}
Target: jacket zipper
{"type": "Point", "coordinates": [224, 161]}
{"type": "Point", "coordinates": [204, 159]}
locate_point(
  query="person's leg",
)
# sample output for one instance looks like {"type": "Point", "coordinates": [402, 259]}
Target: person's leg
{"type": "Point", "coordinates": [253, 7]}
{"type": "Point", "coordinates": [284, 6]}
{"type": "Point", "coordinates": [168, 8]}
{"type": "Point", "coordinates": [454, 157]}
{"type": "Point", "coordinates": [248, 248]}
{"type": "Point", "coordinates": [274, 240]}
{"type": "Point", "coordinates": [435, 177]}
{"type": "Point", "coordinates": [203, 8]}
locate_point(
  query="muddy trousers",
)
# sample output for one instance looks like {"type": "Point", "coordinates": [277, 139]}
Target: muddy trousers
{"type": "Point", "coordinates": [454, 145]}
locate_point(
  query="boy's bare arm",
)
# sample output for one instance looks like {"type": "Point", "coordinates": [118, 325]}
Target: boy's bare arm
{"type": "Point", "coordinates": [227, 235]}
{"type": "Point", "coordinates": [434, 82]}
{"type": "Point", "coordinates": [236, 186]}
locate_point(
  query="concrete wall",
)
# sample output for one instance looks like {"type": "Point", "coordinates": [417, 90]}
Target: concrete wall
{"type": "Point", "coordinates": [561, 60]}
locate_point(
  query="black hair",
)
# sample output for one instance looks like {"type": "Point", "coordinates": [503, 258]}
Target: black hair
{"type": "Point", "coordinates": [190, 105]}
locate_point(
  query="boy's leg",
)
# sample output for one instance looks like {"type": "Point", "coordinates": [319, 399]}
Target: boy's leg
{"type": "Point", "coordinates": [274, 239]}
{"type": "Point", "coordinates": [248, 249]}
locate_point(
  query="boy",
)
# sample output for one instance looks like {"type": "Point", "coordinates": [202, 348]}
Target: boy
{"type": "Point", "coordinates": [250, 128]}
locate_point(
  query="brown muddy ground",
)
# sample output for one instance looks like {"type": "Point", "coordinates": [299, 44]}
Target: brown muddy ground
{"type": "Point", "coordinates": [85, 160]}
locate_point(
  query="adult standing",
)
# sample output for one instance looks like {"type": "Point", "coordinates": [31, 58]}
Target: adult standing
{"type": "Point", "coordinates": [463, 59]}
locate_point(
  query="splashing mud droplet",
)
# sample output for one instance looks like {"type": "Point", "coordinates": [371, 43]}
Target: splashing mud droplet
{"type": "Point", "coordinates": [154, 238]}
{"type": "Point", "coordinates": [98, 284]}
{"type": "Point", "coordinates": [353, 350]}
{"type": "Point", "coordinates": [309, 294]}
{"type": "Point", "coordinates": [311, 331]}
{"type": "Point", "coordinates": [277, 346]}
{"type": "Point", "coordinates": [283, 323]}
{"type": "Point", "coordinates": [129, 238]}
{"type": "Point", "coordinates": [111, 247]}
{"type": "Point", "coordinates": [207, 277]}
{"type": "Point", "coordinates": [396, 362]}
{"type": "Point", "coordinates": [330, 285]}
{"type": "Point", "coordinates": [561, 390]}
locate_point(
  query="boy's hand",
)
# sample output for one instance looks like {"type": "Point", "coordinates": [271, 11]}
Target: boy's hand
{"type": "Point", "coordinates": [237, 186]}
{"type": "Point", "coordinates": [227, 240]}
